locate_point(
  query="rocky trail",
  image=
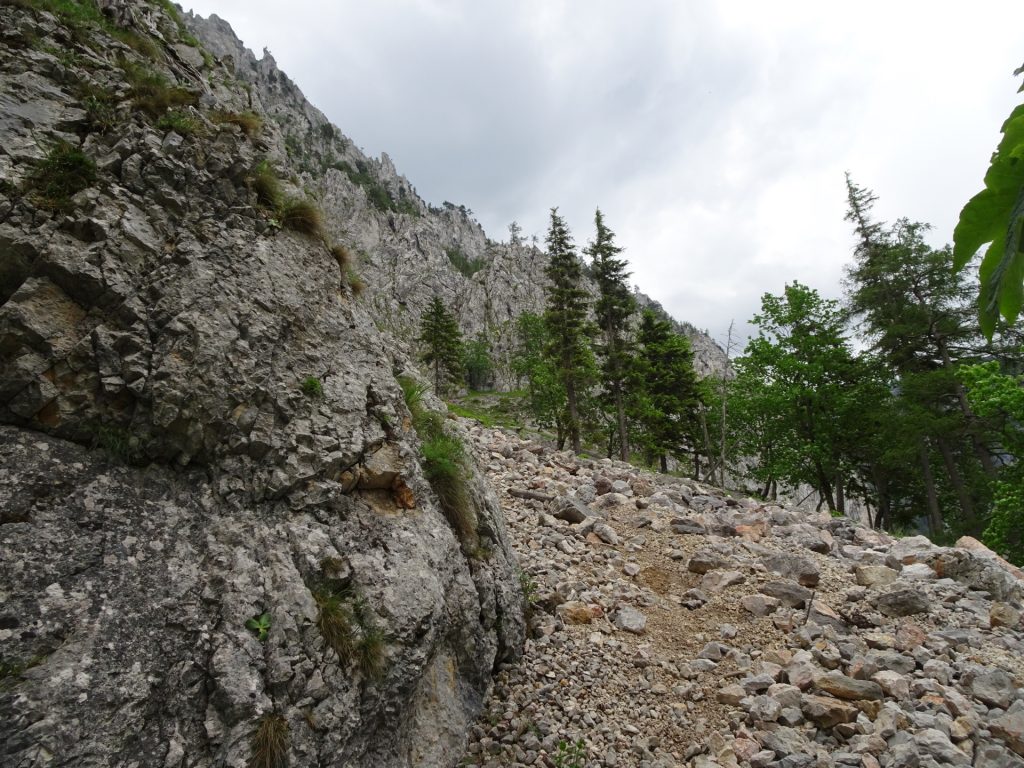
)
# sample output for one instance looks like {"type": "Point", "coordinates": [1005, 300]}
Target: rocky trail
{"type": "Point", "coordinates": [673, 625]}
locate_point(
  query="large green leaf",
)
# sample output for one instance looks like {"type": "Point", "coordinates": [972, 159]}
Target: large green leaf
{"type": "Point", "coordinates": [996, 216]}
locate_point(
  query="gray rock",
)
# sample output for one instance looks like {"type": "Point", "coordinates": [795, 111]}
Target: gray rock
{"type": "Point", "coordinates": [800, 569]}
{"type": "Point", "coordinates": [844, 687]}
{"type": "Point", "coordinates": [902, 602]}
{"type": "Point", "coordinates": [993, 687]}
{"type": "Point", "coordinates": [630, 620]}
{"type": "Point", "coordinates": [570, 509]}
{"type": "Point", "coordinates": [934, 742]}
{"type": "Point", "coordinates": [788, 592]}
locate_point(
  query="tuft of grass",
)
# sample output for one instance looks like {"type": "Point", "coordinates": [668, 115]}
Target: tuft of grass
{"type": "Point", "coordinates": [312, 387]}
{"type": "Point", "coordinates": [65, 172]}
{"type": "Point", "coordinates": [178, 121]}
{"type": "Point", "coordinates": [355, 282]}
{"type": "Point", "coordinates": [249, 122]}
{"type": "Point", "coordinates": [100, 107]}
{"type": "Point", "coordinates": [343, 256]}
{"type": "Point", "coordinates": [370, 652]}
{"type": "Point", "coordinates": [152, 94]}
{"type": "Point", "coordinates": [444, 464]}
{"type": "Point", "coordinates": [301, 215]}
{"type": "Point", "coordinates": [270, 743]}
{"type": "Point", "coordinates": [265, 183]}
{"type": "Point", "coordinates": [335, 622]}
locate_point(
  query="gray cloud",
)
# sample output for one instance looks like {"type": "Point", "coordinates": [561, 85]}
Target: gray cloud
{"type": "Point", "coordinates": [713, 136]}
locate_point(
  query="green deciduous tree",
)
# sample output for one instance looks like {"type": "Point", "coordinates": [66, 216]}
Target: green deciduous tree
{"type": "Point", "coordinates": [566, 319]}
{"type": "Point", "coordinates": [477, 362]}
{"type": "Point", "coordinates": [441, 341]}
{"type": "Point", "coordinates": [664, 391]}
{"type": "Point", "coordinates": [544, 391]}
{"type": "Point", "coordinates": [615, 305]}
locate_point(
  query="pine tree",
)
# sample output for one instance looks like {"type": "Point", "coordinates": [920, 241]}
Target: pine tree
{"type": "Point", "coordinates": [615, 305]}
{"type": "Point", "coordinates": [566, 319]}
{"type": "Point", "coordinates": [442, 342]}
{"type": "Point", "coordinates": [665, 390]}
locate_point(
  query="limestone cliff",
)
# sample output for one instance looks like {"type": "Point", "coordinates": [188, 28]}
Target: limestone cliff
{"type": "Point", "coordinates": [209, 483]}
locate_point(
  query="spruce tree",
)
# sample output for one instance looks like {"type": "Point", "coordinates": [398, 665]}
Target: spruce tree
{"type": "Point", "coordinates": [615, 304]}
{"type": "Point", "coordinates": [665, 390]}
{"type": "Point", "coordinates": [442, 344]}
{"type": "Point", "coordinates": [566, 319]}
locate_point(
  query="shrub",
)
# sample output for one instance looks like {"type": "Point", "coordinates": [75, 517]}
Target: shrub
{"type": "Point", "coordinates": [301, 215]}
{"type": "Point", "coordinates": [266, 185]}
{"type": "Point", "coordinates": [249, 122]}
{"type": "Point", "coordinates": [463, 264]}
{"type": "Point", "coordinates": [65, 171]}
{"type": "Point", "coordinates": [312, 387]}
{"type": "Point", "coordinates": [334, 620]}
{"type": "Point", "coordinates": [270, 743]}
{"type": "Point", "coordinates": [152, 94]}
{"type": "Point", "coordinates": [179, 122]}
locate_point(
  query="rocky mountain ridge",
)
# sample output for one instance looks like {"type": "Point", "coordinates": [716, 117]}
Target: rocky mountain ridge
{"type": "Point", "coordinates": [409, 251]}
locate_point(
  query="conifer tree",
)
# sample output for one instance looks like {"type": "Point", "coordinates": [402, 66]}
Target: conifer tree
{"type": "Point", "coordinates": [615, 304]}
{"type": "Point", "coordinates": [666, 394]}
{"type": "Point", "coordinates": [566, 319]}
{"type": "Point", "coordinates": [442, 344]}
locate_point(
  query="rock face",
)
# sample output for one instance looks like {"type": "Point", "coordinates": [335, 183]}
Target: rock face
{"type": "Point", "coordinates": [184, 519]}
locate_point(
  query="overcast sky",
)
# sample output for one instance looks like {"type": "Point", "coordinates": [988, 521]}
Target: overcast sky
{"type": "Point", "coordinates": [714, 136]}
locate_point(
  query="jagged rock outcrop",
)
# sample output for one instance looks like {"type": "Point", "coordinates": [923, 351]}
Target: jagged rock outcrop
{"type": "Point", "coordinates": [198, 421]}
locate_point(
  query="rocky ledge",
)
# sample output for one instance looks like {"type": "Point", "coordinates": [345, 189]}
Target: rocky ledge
{"type": "Point", "coordinates": [674, 625]}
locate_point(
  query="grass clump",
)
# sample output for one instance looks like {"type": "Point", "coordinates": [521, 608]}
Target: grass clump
{"type": "Point", "coordinates": [178, 121]}
{"type": "Point", "coordinates": [270, 743]}
{"type": "Point", "coordinates": [355, 282]}
{"type": "Point", "coordinates": [249, 122]}
{"type": "Point", "coordinates": [266, 185]}
{"type": "Point", "coordinates": [64, 172]}
{"type": "Point", "coordinates": [312, 387]}
{"type": "Point", "coordinates": [301, 215]}
{"type": "Point", "coordinates": [370, 652]}
{"type": "Point", "coordinates": [444, 464]}
{"type": "Point", "coordinates": [335, 622]}
{"type": "Point", "coordinates": [343, 256]}
{"type": "Point", "coordinates": [100, 107]}
{"type": "Point", "coordinates": [152, 94]}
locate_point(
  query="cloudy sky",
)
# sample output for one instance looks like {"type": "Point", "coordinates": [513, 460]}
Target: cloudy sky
{"type": "Point", "coordinates": [714, 136]}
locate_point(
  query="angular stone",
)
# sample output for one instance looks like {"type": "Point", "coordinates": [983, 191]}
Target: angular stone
{"type": "Point", "coordinates": [704, 560]}
{"type": "Point", "coordinates": [630, 620]}
{"type": "Point", "coordinates": [902, 602]}
{"type": "Point", "coordinates": [844, 687]}
{"type": "Point", "coordinates": [790, 593]}
{"type": "Point", "coordinates": [800, 569]}
{"type": "Point", "coordinates": [688, 526]}
{"type": "Point", "coordinates": [716, 581]}
{"type": "Point", "coordinates": [759, 605]}
{"type": "Point", "coordinates": [875, 575]}
{"type": "Point", "coordinates": [994, 687]}
{"type": "Point", "coordinates": [827, 712]}
{"type": "Point", "coordinates": [1003, 615]}
{"type": "Point", "coordinates": [570, 509]}
{"type": "Point", "coordinates": [1010, 727]}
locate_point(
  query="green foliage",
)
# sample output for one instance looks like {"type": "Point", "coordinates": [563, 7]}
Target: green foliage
{"type": "Point", "coordinates": [565, 316]}
{"type": "Point", "coordinates": [572, 755]}
{"type": "Point", "coordinates": [995, 216]}
{"type": "Point", "coordinates": [477, 362]}
{"type": "Point", "coordinates": [178, 121]}
{"type": "Point", "coordinates": [441, 343]}
{"type": "Point", "coordinates": [260, 625]}
{"type": "Point", "coordinates": [545, 392]}
{"type": "Point", "coordinates": [301, 215]}
{"type": "Point", "coordinates": [116, 442]}
{"type": "Point", "coordinates": [466, 266]}
{"type": "Point", "coordinates": [270, 743]}
{"type": "Point", "coordinates": [65, 171]}
{"type": "Point", "coordinates": [11, 670]}
{"type": "Point", "coordinates": [1000, 398]}
{"type": "Point", "coordinates": [376, 193]}
{"type": "Point", "coordinates": [100, 107]}
{"type": "Point", "coordinates": [249, 122]}
{"type": "Point", "coordinates": [312, 387]}
{"type": "Point", "coordinates": [664, 397]}
{"type": "Point", "coordinates": [531, 593]}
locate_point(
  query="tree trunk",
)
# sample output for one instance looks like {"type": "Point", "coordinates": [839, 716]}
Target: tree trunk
{"type": "Point", "coordinates": [664, 463]}
{"type": "Point", "coordinates": [696, 465]}
{"type": "Point", "coordinates": [882, 486]}
{"type": "Point", "coordinates": [934, 513]}
{"type": "Point", "coordinates": [964, 497]}
{"type": "Point", "coordinates": [825, 486]}
{"type": "Point", "coordinates": [840, 494]}
{"type": "Point", "coordinates": [620, 406]}
{"type": "Point", "coordinates": [574, 418]}
{"type": "Point", "coordinates": [725, 389]}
